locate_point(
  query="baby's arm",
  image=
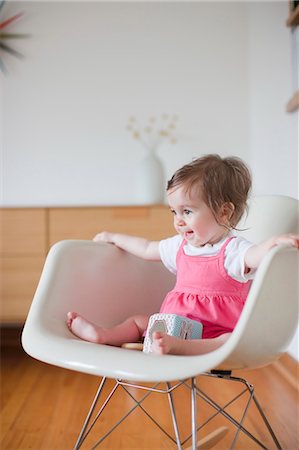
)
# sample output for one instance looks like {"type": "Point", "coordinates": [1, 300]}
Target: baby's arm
{"type": "Point", "coordinates": [136, 245]}
{"type": "Point", "coordinates": [254, 254]}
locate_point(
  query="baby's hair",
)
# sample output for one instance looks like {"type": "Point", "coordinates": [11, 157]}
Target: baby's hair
{"type": "Point", "coordinates": [219, 181]}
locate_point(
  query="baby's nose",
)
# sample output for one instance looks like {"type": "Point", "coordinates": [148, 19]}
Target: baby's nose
{"type": "Point", "coordinates": [180, 220]}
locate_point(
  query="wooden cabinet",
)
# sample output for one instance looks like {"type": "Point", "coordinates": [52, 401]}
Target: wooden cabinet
{"type": "Point", "coordinates": [28, 233]}
{"type": "Point", "coordinates": [23, 247]}
{"type": "Point", "coordinates": [23, 231]}
{"type": "Point", "coordinates": [20, 275]}
{"type": "Point", "coordinates": [152, 222]}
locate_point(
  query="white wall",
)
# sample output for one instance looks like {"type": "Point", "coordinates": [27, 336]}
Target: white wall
{"type": "Point", "coordinates": [273, 133]}
{"type": "Point", "coordinates": [224, 68]}
{"type": "Point", "coordinates": [67, 104]}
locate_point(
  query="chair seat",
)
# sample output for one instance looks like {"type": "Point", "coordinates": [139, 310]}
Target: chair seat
{"type": "Point", "coordinates": [59, 347]}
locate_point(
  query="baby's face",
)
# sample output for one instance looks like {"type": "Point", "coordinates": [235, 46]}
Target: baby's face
{"type": "Point", "coordinates": [193, 219]}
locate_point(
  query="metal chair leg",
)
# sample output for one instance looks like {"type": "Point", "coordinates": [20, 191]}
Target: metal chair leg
{"type": "Point", "coordinates": [82, 434]}
{"type": "Point", "coordinates": [174, 419]}
{"type": "Point", "coordinates": [270, 429]}
{"type": "Point", "coordinates": [194, 413]}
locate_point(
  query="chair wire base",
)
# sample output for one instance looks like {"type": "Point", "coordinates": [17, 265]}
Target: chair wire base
{"type": "Point", "coordinates": [250, 390]}
{"type": "Point", "coordinates": [168, 390]}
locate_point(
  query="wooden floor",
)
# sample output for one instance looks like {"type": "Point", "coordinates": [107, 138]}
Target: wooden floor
{"type": "Point", "coordinates": [43, 407]}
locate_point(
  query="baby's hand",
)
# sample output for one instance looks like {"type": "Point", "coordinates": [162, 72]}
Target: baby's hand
{"type": "Point", "coordinates": [104, 236]}
{"type": "Point", "coordinates": [287, 239]}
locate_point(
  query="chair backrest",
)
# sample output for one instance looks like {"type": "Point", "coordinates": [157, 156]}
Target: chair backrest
{"type": "Point", "coordinates": [99, 281]}
{"type": "Point", "coordinates": [270, 316]}
{"type": "Point", "coordinates": [269, 215]}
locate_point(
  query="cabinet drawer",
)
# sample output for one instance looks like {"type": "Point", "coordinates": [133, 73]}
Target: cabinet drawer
{"type": "Point", "coordinates": [83, 223]}
{"type": "Point", "coordinates": [19, 279]}
{"type": "Point", "coordinates": [23, 231]}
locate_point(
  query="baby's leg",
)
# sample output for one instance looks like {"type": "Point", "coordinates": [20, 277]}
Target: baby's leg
{"type": "Point", "coordinates": [164, 343]}
{"type": "Point", "coordinates": [131, 330]}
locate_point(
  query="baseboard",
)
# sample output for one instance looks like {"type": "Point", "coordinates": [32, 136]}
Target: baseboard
{"type": "Point", "coordinates": [10, 335]}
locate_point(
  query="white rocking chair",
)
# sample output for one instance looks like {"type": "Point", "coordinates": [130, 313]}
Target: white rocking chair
{"type": "Point", "coordinates": [107, 285]}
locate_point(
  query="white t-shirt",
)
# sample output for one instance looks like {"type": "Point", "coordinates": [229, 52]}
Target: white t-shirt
{"type": "Point", "coordinates": [234, 254]}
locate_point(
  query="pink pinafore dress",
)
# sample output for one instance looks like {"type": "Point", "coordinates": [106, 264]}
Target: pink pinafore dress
{"type": "Point", "coordinates": [205, 292]}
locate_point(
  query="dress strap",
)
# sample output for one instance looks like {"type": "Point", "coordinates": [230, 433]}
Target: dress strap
{"type": "Point", "coordinates": [181, 247]}
{"type": "Point", "coordinates": [222, 250]}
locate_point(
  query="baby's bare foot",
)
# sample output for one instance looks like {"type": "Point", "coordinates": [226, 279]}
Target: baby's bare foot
{"type": "Point", "coordinates": [70, 317]}
{"type": "Point", "coordinates": [83, 328]}
{"type": "Point", "coordinates": [164, 343]}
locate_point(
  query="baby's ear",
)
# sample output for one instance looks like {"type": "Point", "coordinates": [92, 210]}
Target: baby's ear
{"type": "Point", "coordinates": [227, 210]}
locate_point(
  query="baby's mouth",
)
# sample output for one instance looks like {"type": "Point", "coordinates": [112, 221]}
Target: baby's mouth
{"type": "Point", "coordinates": [188, 234]}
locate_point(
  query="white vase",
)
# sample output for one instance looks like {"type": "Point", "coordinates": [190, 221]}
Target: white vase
{"type": "Point", "coordinates": [150, 186]}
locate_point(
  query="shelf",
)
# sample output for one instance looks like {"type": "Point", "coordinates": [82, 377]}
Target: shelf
{"type": "Point", "coordinates": [293, 103]}
{"type": "Point", "coordinates": [293, 19]}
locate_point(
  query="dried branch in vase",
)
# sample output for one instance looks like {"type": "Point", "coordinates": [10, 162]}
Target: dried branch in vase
{"type": "Point", "coordinates": [156, 130]}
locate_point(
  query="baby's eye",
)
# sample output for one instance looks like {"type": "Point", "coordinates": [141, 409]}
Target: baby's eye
{"type": "Point", "coordinates": [187, 212]}
{"type": "Point", "coordinates": [173, 212]}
